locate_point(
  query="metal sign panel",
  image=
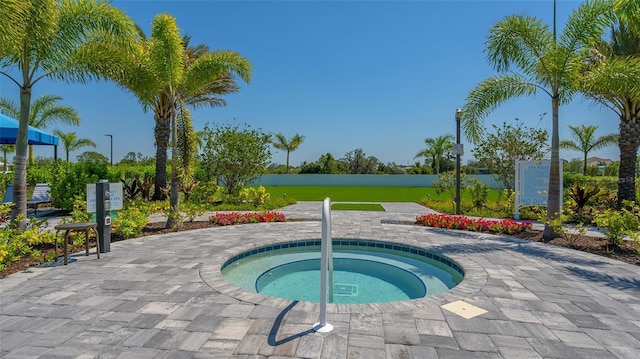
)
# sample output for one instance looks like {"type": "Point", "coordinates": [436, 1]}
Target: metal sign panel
{"type": "Point", "coordinates": [115, 194]}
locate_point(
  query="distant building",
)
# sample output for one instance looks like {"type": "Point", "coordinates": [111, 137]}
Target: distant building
{"type": "Point", "coordinates": [596, 161]}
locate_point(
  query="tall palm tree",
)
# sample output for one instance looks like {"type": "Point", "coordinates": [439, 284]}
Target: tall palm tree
{"type": "Point", "coordinates": [44, 112]}
{"type": "Point", "coordinates": [531, 58]}
{"type": "Point", "coordinates": [585, 141]}
{"type": "Point", "coordinates": [71, 142]}
{"type": "Point", "coordinates": [436, 149]}
{"type": "Point", "coordinates": [611, 79]}
{"type": "Point", "coordinates": [289, 145]}
{"type": "Point", "coordinates": [64, 40]}
{"type": "Point", "coordinates": [188, 140]}
{"type": "Point", "coordinates": [163, 77]}
{"type": "Point", "coordinates": [6, 149]}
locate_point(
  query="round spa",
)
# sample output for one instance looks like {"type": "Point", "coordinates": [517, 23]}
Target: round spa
{"type": "Point", "coordinates": [364, 271]}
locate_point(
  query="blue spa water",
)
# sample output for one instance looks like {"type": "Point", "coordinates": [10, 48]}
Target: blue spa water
{"type": "Point", "coordinates": [361, 274]}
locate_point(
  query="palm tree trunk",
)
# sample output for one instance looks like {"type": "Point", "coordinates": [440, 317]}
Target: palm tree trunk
{"type": "Point", "coordinates": [553, 205]}
{"type": "Point", "coordinates": [20, 160]}
{"type": "Point", "coordinates": [584, 165]}
{"type": "Point", "coordinates": [162, 131]}
{"type": "Point", "coordinates": [287, 162]}
{"type": "Point", "coordinates": [629, 142]}
{"type": "Point", "coordinates": [30, 155]}
{"type": "Point", "coordinates": [173, 220]}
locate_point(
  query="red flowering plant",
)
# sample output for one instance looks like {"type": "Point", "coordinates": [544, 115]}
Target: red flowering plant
{"type": "Point", "coordinates": [226, 219]}
{"type": "Point", "coordinates": [501, 226]}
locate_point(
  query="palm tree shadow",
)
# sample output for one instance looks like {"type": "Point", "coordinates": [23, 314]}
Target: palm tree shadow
{"type": "Point", "coordinates": [272, 340]}
{"type": "Point", "coordinates": [613, 281]}
{"type": "Point", "coordinates": [484, 244]}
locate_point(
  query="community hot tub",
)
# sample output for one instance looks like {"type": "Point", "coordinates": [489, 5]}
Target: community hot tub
{"type": "Point", "coordinates": [364, 271]}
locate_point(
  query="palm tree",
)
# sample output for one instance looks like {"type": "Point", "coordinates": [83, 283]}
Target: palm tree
{"type": "Point", "coordinates": [6, 149]}
{"type": "Point", "coordinates": [65, 40]}
{"type": "Point", "coordinates": [611, 79]}
{"type": "Point", "coordinates": [289, 145]}
{"type": "Point", "coordinates": [189, 140]}
{"type": "Point", "coordinates": [164, 77]}
{"type": "Point", "coordinates": [586, 142]}
{"type": "Point", "coordinates": [531, 58]}
{"type": "Point", "coordinates": [44, 112]}
{"type": "Point", "coordinates": [436, 149]}
{"type": "Point", "coordinates": [71, 142]}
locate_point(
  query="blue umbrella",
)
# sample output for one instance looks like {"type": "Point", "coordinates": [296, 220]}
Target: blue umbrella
{"type": "Point", "coordinates": [9, 133]}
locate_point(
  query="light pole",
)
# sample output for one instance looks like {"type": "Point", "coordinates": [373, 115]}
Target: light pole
{"type": "Point", "coordinates": [458, 154]}
{"type": "Point", "coordinates": [111, 144]}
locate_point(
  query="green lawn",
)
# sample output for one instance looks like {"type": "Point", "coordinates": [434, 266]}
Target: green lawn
{"type": "Point", "coordinates": [362, 193]}
{"type": "Point", "coordinates": [357, 207]}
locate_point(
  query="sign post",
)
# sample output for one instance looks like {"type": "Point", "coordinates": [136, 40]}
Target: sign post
{"type": "Point", "coordinates": [102, 198]}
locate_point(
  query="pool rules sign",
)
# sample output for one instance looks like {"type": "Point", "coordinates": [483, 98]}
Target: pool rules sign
{"type": "Point", "coordinates": [532, 184]}
{"type": "Point", "coordinates": [115, 195]}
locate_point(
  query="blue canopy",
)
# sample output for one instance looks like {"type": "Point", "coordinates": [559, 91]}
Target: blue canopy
{"type": "Point", "coordinates": [9, 133]}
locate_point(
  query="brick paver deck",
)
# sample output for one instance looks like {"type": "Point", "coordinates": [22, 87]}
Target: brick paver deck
{"type": "Point", "coordinates": [163, 297]}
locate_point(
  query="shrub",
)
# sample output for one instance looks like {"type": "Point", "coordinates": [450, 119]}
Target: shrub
{"type": "Point", "coordinates": [131, 220]}
{"type": "Point", "coordinates": [256, 197]}
{"type": "Point", "coordinates": [191, 210]}
{"type": "Point", "coordinates": [479, 193]}
{"type": "Point", "coordinates": [16, 244]}
{"type": "Point", "coordinates": [582, 193]}
{"type": "Point", "coordinates": [620, 223]}
{"type": "Point", "coordinates": [40, 173]}
{"type": "Point", "coordinates": [205, 193]}
{"type": "Point", "coordinates": [70, 180]}
{"type": "Point", "coordinates": [569, 234]}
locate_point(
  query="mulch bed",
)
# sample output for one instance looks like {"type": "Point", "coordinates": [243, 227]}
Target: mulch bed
{"type": "Point", "coordinates": [627, 252]}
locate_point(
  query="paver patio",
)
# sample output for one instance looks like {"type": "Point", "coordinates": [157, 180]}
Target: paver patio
{"type": "Point", "coordinates": [164, 297]}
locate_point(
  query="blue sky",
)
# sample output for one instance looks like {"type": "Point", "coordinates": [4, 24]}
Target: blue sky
{"type": "Point", "coordinates": [376, 75]}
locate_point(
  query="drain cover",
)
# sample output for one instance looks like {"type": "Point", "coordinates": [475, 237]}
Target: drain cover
{"type": "Point", "coordinates": [350, 290]}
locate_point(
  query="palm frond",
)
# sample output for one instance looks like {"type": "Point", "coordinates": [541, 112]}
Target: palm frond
{"type": "Point", "coordinates": [166, 50]}
{"type": "Point", "coordinates": [213, 65]}
{"type": "Point", "coordinates": [517, 40]}
{"type": "Point", "coordinates": [88, 33]}
{"type": "Point", "coordinates": [209, 94]}
{"type": "Point", "coordinates": [487, 96]}
{"type": "Point", "coordinates": [614, 78]}
{"type": "Point", "coordinates": [9, 107]}
{"type": "Point", "coordinates": [187, 144]}
{"type": "Point", "coordinates": [12, 18]}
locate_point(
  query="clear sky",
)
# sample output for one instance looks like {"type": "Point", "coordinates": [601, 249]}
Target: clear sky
{"type": "Point", "coordinates": [376, 75]}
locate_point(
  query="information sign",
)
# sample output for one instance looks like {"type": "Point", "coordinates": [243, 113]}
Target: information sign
{"type": "Point", "coordinates": [115, 195]}
{"type": "Point", "coordinates": [532, 184]}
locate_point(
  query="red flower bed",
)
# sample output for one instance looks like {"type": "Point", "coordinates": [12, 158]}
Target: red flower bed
{"type": "Point", "coordinates": [226, 219]}
{"type": "Point", "coordinates": [502, 226]}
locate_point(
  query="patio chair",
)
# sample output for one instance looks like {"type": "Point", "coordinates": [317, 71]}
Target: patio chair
{"type": "Point", "coordinates": [40, 195]}
{"type": "Point", "coordinates": [8, 195]}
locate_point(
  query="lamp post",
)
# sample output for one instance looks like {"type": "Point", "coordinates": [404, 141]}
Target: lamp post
{"type": "Point", "coordinates": [458, 154]}
{"type": "Point", "coordinates": [111, 145]}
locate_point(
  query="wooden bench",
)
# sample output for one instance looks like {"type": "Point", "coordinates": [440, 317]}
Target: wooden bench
{"type": "Point", "coordinates": [77, 227]}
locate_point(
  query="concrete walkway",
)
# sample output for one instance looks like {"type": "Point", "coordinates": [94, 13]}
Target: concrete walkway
{"type": "Point", "coordinates": [164, 297]}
